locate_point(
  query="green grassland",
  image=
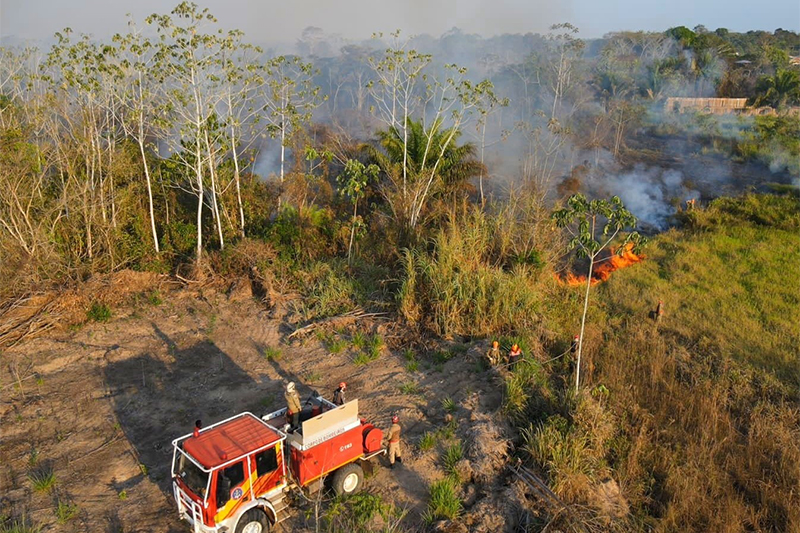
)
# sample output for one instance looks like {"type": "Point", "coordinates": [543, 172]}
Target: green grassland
{"type": "Point", "coordinates": [698, 420]}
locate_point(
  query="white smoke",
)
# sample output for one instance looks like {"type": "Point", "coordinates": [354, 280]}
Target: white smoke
{"type": "Point", "coordinates": [652, 194]}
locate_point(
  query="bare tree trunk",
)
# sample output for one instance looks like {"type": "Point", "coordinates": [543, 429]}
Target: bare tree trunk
{"type": "Point", "coordinates": [200, 192]}
{"type": "Point", "coordinates": [583, 324]}
{"type": "Point", "coordinates": [483, 148]}
{"type": "Point", "coordinates": [149, 190]}
{"type": "Point", "coordinates": [237, 179]}
{"type": "Point", "coordinates": [352, 231]}
{"type": "Point", "coordinates": [214, 204]}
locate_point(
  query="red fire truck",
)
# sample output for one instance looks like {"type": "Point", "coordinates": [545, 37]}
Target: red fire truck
{"type": "Point", "coordinates": [234, 476]}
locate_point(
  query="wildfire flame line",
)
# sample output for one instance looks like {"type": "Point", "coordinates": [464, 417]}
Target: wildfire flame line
{"type": "Point", "coordinates": [602, 271]}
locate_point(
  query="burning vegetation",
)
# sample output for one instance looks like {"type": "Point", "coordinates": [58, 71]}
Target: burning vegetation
{"type": "Point", "coordinates": [604, 267]}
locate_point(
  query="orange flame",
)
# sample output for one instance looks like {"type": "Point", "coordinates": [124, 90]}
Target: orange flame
{"type": "Point", "coordinates": [602, 271]}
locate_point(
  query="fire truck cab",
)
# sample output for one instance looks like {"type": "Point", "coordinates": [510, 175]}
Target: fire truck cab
{"type": "Point", "coordinates": [234, 476]}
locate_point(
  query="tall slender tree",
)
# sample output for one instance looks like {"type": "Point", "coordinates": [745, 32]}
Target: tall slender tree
{"type": "Point", "coordinates": [593, 226]}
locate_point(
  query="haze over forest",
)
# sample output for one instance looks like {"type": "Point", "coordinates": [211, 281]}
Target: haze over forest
{"type": "Point", "coordinates": [273, 22]}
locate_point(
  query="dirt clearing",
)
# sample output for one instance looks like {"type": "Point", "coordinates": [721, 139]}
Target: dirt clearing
{"type": "Point", "coordinates": [88, 413]}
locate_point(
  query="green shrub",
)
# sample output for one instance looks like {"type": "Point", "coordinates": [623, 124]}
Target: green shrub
{"type": "Point", "coordinates": [272, 353]}
{"type": "Point", "coordinates": [42, 480]}
{"type": "Point", "coordinates": [358, 340]}
{"type": "Point", "coordinates": [562, 451]}
{"type": "Point", "coordinates": [452, 455]}
{"type": "Point", "coordinates": [336, 345]}
{"type": "Point", "coordinates": [373, 347]}
{"type": "Point", "coordinates": [409, 387]}
{"type": "Point", "coordinates": [427, 441]}
{"type": "Point", "coordinates": [98, 312]}
{"type": "Point", "coordinates": [19, 526]}
{"type": "Point", "coordinates": [328, 290]}
{"type": "Point", "coordinates": [443, 502]}
{"type": "Point", "coordinates": [154, 298]}
{"type": "Point", "coordinates": [358, 512]}
{"type": "Point", "coordinates": [448, 405]}
{"type": "Point", "coordinates": [447, 431]}
{"type": "Point", "coordinates": [442, 356]}
{"type": "Point", "coordinates": [66, 511]}
{"type": "Point", "coordinates": [33, 457]}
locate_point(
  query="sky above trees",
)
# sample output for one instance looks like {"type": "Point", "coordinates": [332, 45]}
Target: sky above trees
{"type": "Point", "coordinates": [275, 21]}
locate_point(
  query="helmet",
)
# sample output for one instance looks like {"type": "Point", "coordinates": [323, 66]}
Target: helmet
{"type": "Point", "coordinates": [290, 386]}
{"type": "Point", "coordinates": [515, 346]}
{"type": "Point", "coordinates": [342, 385]}
{"type": "Point", "coordinates": [395, 419]}
{"type": "Point", "coordinates": [495, 344]}
{"type": "Point", "coordinates": [576, 336]}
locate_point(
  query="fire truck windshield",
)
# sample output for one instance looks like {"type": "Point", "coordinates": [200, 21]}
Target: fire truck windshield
{"type": "Point", "coordinates": [190, 473]}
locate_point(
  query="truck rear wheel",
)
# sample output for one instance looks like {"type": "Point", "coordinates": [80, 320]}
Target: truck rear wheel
{"type": "Point", "coordinates": [348, 479]}
{"type": "Point", "coordinates": [253, 521]}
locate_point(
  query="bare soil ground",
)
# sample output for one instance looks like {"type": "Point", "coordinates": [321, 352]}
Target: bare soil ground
{"type": "Point", "coordinates": [98, 404]}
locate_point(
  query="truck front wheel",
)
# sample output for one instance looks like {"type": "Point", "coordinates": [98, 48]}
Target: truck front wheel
{"type": "Point", "coordinates": [253, 521]}
{"type": "Point", "coordinates": [348, 479]}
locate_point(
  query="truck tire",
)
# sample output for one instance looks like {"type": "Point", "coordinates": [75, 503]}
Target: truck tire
{"type": "Point", "coordinates": [348, 479]}
{"type": "Point", "coordinates": [253, 521]}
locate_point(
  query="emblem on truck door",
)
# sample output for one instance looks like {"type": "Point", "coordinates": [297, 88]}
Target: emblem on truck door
{"type": "Point", "coordinates": [236, 493]}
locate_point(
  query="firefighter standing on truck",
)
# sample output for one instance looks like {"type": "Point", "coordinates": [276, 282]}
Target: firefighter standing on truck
{"type": "Point", "coordinates": [293, 407]}
{"type": "Point", "coordinates": [394, 442]}
{"type": "Point", "coordinates": [338, 394]}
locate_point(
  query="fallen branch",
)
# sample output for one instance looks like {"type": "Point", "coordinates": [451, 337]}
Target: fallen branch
{"type": "Point", "coordinates": [357, 314]}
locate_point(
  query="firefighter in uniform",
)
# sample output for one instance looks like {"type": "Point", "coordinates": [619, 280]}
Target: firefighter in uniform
{"type": "Point", "coordinates": [293, 406]}
{"type": "Point", "coordinates": [493, 354]}
{"type": "Point", "coordinates": [394, 442]}
{"type": "Point", "coordinates": [514, 356]}
{"type": "Point", "coordinates": [573, 351]}
{"type": "Point", "coordinates": [338, 394]}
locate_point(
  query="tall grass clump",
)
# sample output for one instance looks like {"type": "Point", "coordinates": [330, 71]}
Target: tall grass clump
{"type": "Point", "coordinates": [358, 513]}
{"type": "Point", "coordinates": [42, 480]}
{"type": "Point", "coordinates": [66, 511]}
{"type": "Point", "coordinates": [427, 441]}
{"type": "Point", "coordinates": [452, 455]}
{"type": "Point", "coordinates": [328, 290]}
{"type": "Point", "coordinates": [564, 453]}
{"type": "Point", "coordinates": [19, 526]}
{"type": "Point", "coordinates": [272, 353]}
{"type": "Point", "coordinates": [443, 502]}
{"type": "Point", "coordinates": [469, 284]}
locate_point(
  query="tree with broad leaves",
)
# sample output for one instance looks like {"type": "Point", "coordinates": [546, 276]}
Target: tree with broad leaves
{"type": "Point", "coordinates": [353, 184]}
{"type": "Point", "coordinates": [779, 90]}
{"type": "Point", "coordinates": [583, 219]}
